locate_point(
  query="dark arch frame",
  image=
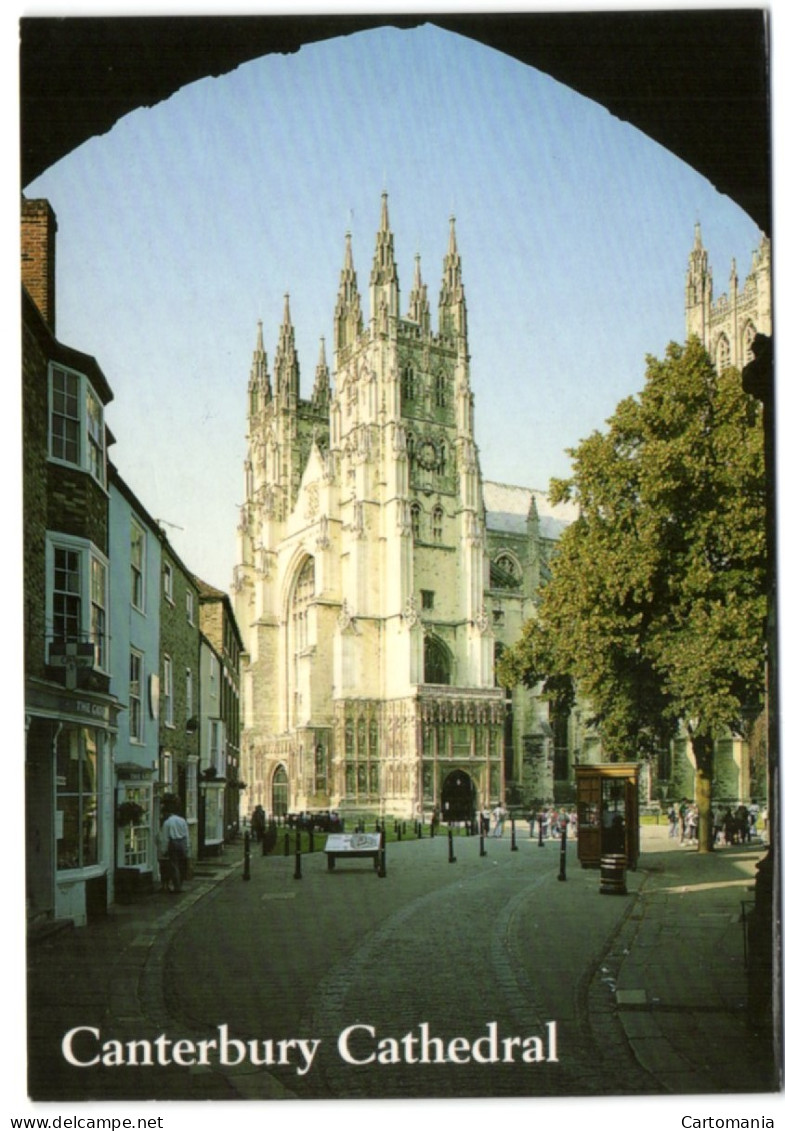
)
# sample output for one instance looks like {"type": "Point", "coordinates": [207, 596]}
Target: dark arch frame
{"type": "Point", "coordinates": [689, 79]}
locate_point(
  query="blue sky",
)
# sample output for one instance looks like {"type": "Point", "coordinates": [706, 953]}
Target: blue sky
{"type": "Point", "coordinates": [189, 222]}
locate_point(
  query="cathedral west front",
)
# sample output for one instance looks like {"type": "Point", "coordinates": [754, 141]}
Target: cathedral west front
{"type": "Point", "coordinates": [379, 575]}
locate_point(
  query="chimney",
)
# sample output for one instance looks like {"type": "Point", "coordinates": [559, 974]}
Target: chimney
{"type": "Point", "coordinates": [39, 226]}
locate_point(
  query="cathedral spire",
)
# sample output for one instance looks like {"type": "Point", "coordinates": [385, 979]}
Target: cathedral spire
{"type": "Point", "coordinates": [698, 291]}
{"type": "Point", "coordinates": [287, 366]}
{"type": "Point", "coordinates": [384, 273]}
{"type": "Point", "coordinates": [419, 307]}
{"type": "Point", "coordinates": [452, 302]}
{"type": "Point", "coordinates": [259, 390]}
{"type": "Point", "coordinates": [348, 319]}
{"type": "Point", "coordinates": [321, 386]}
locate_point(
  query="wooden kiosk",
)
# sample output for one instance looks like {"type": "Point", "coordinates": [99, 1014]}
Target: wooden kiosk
{"type": "Point", "coordinates": [608, 822]}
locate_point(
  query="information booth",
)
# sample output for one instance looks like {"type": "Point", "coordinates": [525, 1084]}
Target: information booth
{"type": "Point", "coordinates": [608, 822]}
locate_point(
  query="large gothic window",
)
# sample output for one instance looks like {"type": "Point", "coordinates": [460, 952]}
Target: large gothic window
{"type": "Point", "coordinates": [438, 524]}
{"type": "Point", "coordinates": [301, 598]}
{"type": "Point", "coordinates": [722, 360]}
{"type": "Point", "coordinates": [298, 641]}
{"type": "Point", "coordinates": [437, 660]}
{"type": "Point", "coordinates": [505, 572]}
{"type": "Point", "coordinates": [440, 391]}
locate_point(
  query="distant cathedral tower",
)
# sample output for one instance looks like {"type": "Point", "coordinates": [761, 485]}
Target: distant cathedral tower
{"type": "Point", "coordinates": [728, 326]}
{"type": "Point", "coordinates": [361, 588]}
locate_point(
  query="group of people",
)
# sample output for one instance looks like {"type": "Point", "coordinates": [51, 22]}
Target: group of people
{"type": "Point", "coordinates": [553, 822]}
{"type": "Point", "coordinates": [733, 826]}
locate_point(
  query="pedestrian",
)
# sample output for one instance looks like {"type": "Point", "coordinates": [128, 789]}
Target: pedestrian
{"type": "Point", "coordinates": [176, 842]}
{"type": "Point", "coordinates": [258, 822]}
{"type": "Point", "coordinates": [743, 823]}
{"type": "Point", "coordinates": [498, 817]}
{"type": "Point", "coordinates": [544, 823]}
{"type": "Point", "coordinates": [729, 827]}
{"type": "Point", "coordinates": [673, 822]}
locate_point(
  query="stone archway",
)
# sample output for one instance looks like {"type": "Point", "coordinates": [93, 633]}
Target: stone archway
{"type": "Point", "coordinates": [459, 797]}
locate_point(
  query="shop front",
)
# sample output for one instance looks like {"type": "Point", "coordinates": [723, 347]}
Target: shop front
{"type": "Point", "coordinates": [69, 803]}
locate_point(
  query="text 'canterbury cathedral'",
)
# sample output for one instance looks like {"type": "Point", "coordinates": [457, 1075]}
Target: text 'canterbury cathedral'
{"type": "Point", "coordinates": [379, 574]}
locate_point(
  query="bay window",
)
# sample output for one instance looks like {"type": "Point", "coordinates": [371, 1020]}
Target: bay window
{"type": "Point", "coordinates": [77, 595]}
{"type": "Point", "coordinates": [76, 423]}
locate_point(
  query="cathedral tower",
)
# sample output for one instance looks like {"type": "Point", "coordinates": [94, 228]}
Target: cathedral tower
{"type": "Point", "coordinates": [360, 584]}
{"type": "Point", "coordinates": [728, 326]}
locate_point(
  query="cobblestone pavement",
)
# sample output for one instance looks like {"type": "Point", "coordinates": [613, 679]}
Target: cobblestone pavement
{"type": "Point", "coordinates": [644, 992]}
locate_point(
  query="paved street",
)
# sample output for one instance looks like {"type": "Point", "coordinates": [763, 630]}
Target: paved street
{"type": "Point", "coordinates": [646, 992]}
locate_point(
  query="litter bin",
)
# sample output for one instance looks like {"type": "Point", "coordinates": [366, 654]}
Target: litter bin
{"type": "Point", "coordinates": [613, 876]}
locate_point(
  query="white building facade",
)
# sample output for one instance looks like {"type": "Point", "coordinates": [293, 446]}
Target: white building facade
{"type": "Point", "coordinates": [360, 592]}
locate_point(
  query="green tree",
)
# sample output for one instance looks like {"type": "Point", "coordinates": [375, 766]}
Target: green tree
{"type": "Point", "coordinates": [655, 610]}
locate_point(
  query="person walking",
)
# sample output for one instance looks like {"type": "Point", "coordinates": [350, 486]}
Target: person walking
{"type": "Point", "coordinates": [498, 817]}
{"type": "Point", "coordinates": [175, 840]}
{"type": "Point", "coordinates": [673, 823]}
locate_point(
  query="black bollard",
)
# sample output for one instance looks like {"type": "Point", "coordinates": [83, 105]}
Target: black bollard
{"type": "Point", "coordinates": [451, 858]}
{"type": "Point", "coordinates": [540, 840]}
{"type": "Point", "coordinates": [482, 843]}
{"type": "Point", "coordinates": [381, 871]}
{"type": "Point", "coordinates": [298, 872]}
{"type": "Point", "coordinates": [513, 843]}
{"type": "Point", "coordinates": [399, 831]}
{"type": "Point", "coordinates": [286, 843]}
{"type": "Point", "coordinates": [247, 857]}
{"type": "Point", "coordinates": [563, 855]}
{"type": "Point", "coordinates": [419, 830]}
{"type": "Point", "coordinates": [433, 828]}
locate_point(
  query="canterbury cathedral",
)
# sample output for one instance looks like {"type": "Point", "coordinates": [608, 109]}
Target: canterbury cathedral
{"type": "Point", "coordinates": [379, 575]}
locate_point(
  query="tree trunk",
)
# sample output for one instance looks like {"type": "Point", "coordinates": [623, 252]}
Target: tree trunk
{"type": "Point", "coordinates": [703, 749]}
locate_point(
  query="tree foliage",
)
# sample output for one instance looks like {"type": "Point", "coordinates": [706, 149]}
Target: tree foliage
{"type": "Point", "coordinates": [656, 606]}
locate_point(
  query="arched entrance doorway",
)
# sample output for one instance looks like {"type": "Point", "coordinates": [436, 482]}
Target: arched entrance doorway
{"type": "Point", "coordinates": [280, 792]}
{"type": "Point", "coordinates": [459, 797]}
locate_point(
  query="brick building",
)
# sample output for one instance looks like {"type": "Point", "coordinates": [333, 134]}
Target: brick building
{"type": "Point", "coordinates": [220, 781]}
{"type": "Point", "coordinates": [70, 711]}
{"type": "Point", "coordinates": [178, 693]}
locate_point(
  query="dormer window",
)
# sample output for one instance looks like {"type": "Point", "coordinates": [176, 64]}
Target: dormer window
{"type": "Point", "coordinates": [76, 423]}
